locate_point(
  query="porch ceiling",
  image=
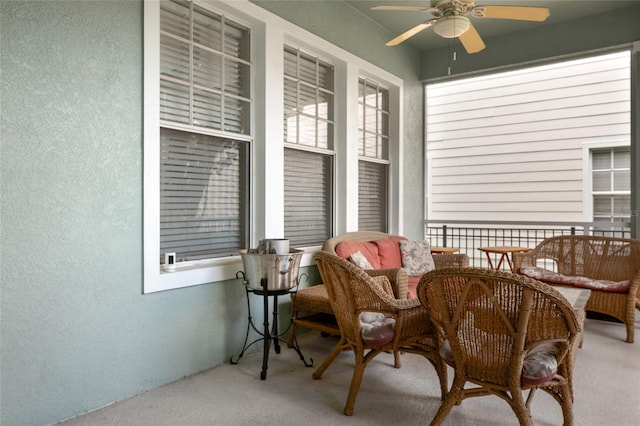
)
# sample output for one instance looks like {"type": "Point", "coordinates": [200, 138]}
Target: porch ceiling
{"type": "Point", "coordinates": [397, 22]}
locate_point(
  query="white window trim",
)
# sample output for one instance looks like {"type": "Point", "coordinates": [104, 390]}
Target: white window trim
{"type": "Point", "coordinates": [587, 176]}
{"type": "Point", "coordinates": [269, 35]}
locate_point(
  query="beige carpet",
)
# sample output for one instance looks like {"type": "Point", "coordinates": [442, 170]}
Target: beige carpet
{"type": "Point", "coordinates": [607, 391]}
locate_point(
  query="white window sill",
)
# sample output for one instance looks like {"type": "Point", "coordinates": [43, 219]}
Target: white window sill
{"type": "Point", "coordinates": [205, 272]}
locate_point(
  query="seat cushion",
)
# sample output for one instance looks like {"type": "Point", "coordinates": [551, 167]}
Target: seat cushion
{"type": "Point", "coordinates": [412, 286]}
{"type": "Point", "coordinates": [551, 277]}
{"type": "Point", "coordinates": [346, 248]}
{"type": "Point", "coordinates": [376, 329]}
{"type": "Point", "coordinates": [539, 365]}
{"type": "Point", "coordinates": [312, 299]}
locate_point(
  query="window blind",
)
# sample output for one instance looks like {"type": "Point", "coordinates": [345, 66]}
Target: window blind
{"type": "Point", "coordinates": [307, 197]}
{"type": "Point", "coordinates": [372, 196]}
{"type": "Point", "coordinates": [203, 206]}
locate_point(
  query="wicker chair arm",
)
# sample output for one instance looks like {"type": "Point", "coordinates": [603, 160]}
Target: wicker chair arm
{"type": "Point", "coordinates": [634, 289]}
{"type": "Point", "coordinates": [397, 277]}
{"type": "Point", "coordinates": [523, 260]}
{"type": "Point", "coordinates": [458, 260]}
{"type": "Point", "coordinates": [373, 298]}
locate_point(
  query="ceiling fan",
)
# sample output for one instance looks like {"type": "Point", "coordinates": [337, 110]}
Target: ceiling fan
{"type": "Point", "coordinates": [450, 19]}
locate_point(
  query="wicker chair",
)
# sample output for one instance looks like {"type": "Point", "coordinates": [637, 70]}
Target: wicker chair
{"type": "Point", "coordinates": [311, 307]}
{"type": "Point", "coordinates": [598, 258]}
{"type": "Point", "coordinates": [398, 277]}
{"type": "Point", "coordinates": [488, 322]}
{"type": "Point", "coordinates": [351, 292]}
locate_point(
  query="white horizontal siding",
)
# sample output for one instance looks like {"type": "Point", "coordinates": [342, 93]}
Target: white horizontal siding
{"type": "Point", "coordinates": [509, 146]}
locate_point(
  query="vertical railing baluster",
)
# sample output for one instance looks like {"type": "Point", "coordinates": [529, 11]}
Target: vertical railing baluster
{"type": "Point", "coordinates": [444, 235]}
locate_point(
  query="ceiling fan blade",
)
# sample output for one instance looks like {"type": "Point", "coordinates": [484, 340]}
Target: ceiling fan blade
{"type": "Point", "coordinates": [410, 33]}
{"type": "Point", "coordinates": [471, 40]}
{"type": "Point", "coordinates": [406, 8]}
{"type": "Point", "coordinates": [521, 13]}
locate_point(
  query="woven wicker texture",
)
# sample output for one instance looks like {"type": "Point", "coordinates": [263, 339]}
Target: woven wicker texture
{"type": "Point", "coordinates": [312, 299]}
{"type": "Point", "coordinates": [491, 319]}
{"type": "Point", "coordinates": [600, 258]}
{"type": "Point", "coordinates": [352, 291]}
{"type": "Point", "coordinates": [315, 300]}
{"type": "Point", "coordinates": [398, 277]}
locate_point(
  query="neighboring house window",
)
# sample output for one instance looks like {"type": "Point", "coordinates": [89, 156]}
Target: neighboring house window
{"type": "Point", "coordinates": [373, 152]}
{"type": "Point", "coordinates": [611, 184]}
{"type": "Point", "coordinates": [309, 151]}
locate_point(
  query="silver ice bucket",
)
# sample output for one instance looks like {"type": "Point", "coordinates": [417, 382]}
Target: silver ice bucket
{"type": "Point", "coordinates": [279, 270]}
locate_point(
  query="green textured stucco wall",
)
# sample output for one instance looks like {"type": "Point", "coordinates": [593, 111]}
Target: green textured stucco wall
{"type": "Point", "coordinates": [76, 331]}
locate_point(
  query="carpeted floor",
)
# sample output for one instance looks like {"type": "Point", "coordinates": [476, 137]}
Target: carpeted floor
{"type": "Point", "coordinates": [606, 382]}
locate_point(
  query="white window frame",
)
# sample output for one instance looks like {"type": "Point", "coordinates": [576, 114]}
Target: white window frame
{"type": "Point", "coordinates": [384, 157]}
{"type": "Point", "coordinates": [269, 35]}
{"type": "Point", "coordinates": [587, 175]}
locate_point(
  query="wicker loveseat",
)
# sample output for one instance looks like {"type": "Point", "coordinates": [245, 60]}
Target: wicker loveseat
{"type": "Point", "coordinates": [311, 306]}
{"type": "Point", "coordinates": [609, 267]}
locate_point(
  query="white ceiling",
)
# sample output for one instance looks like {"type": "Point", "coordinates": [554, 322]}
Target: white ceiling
{"type": "Point", "coordinates": [397, 22]}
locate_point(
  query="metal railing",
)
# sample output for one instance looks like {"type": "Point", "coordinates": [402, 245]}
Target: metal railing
{"type": "Point", "coordinates": [469, 236]}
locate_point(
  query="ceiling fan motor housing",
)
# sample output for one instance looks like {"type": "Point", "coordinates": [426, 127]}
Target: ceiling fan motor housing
{"type": "Point", "coordinates": [451, 26]}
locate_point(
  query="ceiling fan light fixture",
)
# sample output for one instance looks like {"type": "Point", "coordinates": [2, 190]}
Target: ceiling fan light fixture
{"type": "Point", "coordinates": [451, 26]}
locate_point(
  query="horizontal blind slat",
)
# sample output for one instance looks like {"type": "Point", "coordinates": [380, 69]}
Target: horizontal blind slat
{"type": "Point", "coordinates": [307, 208]}
{"type": "Point", "coordinates": [201, 187]}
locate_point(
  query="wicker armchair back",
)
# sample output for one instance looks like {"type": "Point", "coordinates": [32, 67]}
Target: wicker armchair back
{"type": "Point", "coordinates": [489, 323]}
{"type": "Point", "coordinates": [353, 292]}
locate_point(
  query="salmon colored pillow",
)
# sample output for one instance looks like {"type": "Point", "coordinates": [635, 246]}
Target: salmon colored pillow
{"type": "Point", "coordinates": [389, 252]}
{"type": "Point", "coordinates": [369, 250]}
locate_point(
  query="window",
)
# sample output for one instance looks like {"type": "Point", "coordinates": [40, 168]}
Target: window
{"type": "Point", "coordinates": [611, 184]}
{"type": "Point", "coordinates": [197, 139]}
{"type": "Point", "coordinates": [373, 152]}
{"type": "Point", "coordinates": [238, 148]}
{"type": "Point", "coordinates": [308, 155]}
{"type": "Point", "coordinates": [204, 100]}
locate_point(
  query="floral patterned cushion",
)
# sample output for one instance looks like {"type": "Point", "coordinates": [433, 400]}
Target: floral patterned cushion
{"type": "Point", "coordinates": [551, 277]}
{"type": "Point", "coordinates": [359, 260]}
{"type": "Point", "coordinates": [416, 257]}
{"type": "Point", "coordinates": [539, 365]}
{"type": "Point", "coordinates": [376, 329]}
